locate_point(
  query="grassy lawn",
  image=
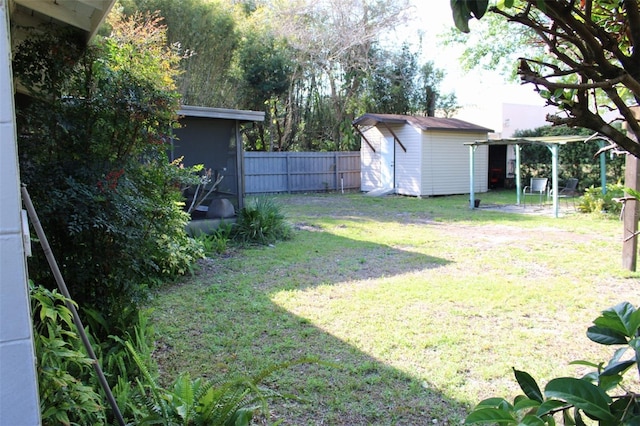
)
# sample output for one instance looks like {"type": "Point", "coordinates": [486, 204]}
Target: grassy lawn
{"type": "Point", "coordinates": [423, 304]}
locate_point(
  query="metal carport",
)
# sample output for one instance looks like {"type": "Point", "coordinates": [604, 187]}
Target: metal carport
{"type": "Point", "coordinates": [553, 143]}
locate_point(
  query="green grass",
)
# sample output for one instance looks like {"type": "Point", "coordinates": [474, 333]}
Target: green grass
{"type": "Point", "coordinates": [424, 304]}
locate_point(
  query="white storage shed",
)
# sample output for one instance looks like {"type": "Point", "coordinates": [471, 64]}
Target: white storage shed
{"type": "Point", "coordinates": [420, 156]}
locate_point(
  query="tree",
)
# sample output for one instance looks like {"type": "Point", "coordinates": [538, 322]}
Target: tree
{"type": "Point", "coordinates": [207, 32]}
{"type": "Point", "coordinates": [397, 85]}
{"type": "Point", "coordinates": [593, 53]}
{"type": "Point", "coordinates": [391, 84]}
{"type": "Point", "coordinates": [333, 41]}
{"type": "Point", "coordinates": [429, 98]}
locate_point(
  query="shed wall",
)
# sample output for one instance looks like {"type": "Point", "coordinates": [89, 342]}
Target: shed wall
{"type": "Point", "coordinates": [446, 163]}
{"type": "Point", "coordinates": [408, 164]}
{"type": "Point", "coordinates": [370, 161]}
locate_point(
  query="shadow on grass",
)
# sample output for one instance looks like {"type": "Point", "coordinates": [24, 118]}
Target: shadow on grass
{"type": "Point", "coordinates": [223, 322]}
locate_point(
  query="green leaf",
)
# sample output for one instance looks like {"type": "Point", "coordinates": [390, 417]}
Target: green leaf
{"type": "Point", "coordinates": [490, 415]}
{"type": "Point", "coordinates": [623, 318]}
{"type": "Point", "coordinates": [550, 405]}
{"type": "Point", "coordinates": [531, 421]}
{"type": "Point", "coordinates": [526, 405]}
{"type": "Point", "coordinates": [567, 419]}
{"type": "Point", "coordinates": [587, 363]}
{"type": "Point", "coordinates": [581, 394]}
{"type": "Point", "coordinates": [607, 383]}
{"type": "Point", "coordinates": [478, 7]}
{"type": "Point", "coordinates": [633, 421]}
{"type": "Point", "coordinates": [500, 403]}
{"type": "Point", "coordinates": [528, 385]}
{"type": "Point", "coordinates": [617, 367]}
{"type": "Point", "coordinates": [461, 15]}
{"type": "Point", "coordinates": [605, 336]}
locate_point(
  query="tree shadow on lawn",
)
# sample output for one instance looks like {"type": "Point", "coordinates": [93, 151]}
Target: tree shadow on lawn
{"type": "Point", "coordinates": [224, 321]}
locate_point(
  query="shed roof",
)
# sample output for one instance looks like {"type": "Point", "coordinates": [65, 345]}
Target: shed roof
{"type": "Point", "coordinates": [422, 123]}
{"type": "Point", "coordinates": [223, 113]}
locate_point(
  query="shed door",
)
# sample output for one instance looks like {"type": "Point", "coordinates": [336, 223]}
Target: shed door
{"type": "Point", "coordinates": [387, 163]}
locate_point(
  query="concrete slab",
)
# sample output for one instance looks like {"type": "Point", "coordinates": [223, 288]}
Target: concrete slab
{"type": "Point", "coordinates": [380, 192]}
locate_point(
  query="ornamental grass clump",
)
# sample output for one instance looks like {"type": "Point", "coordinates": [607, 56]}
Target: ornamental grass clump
{"type": "Point", "coordinates": [261, 222]}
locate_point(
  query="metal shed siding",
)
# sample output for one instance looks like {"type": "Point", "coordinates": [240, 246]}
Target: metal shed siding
{"type": "Point", "coordinates": [446, 163]}
{"type": "Point", "coordinates": [408, 165]}
{"type": "Point", "coordinates": [370, 161]}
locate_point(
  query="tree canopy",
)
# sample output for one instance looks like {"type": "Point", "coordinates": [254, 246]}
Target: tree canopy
{"type": "Point", "coordinates": [591, 56]}
{"type": "Point", "coordinates": [312, 66]}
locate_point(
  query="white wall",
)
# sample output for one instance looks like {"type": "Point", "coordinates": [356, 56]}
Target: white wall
{"type": "Point", "coordinates": [446, 163]}
{"type": "Point", "coordinates": [370, 161]}
{"type": "Point", "coordinates": [408, 164]}
{"type": "Point", "coordinates": [18, 386]}
{"type": "Point", "coordinates": [523, 117]}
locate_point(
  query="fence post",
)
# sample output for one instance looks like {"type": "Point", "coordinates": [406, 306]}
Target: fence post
{"type": "Point", "coordinates": [335, 159]}
{"type": "Point", "coordinates": [286, 162]}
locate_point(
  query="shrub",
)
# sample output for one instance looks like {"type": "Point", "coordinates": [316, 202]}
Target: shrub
{"type": "Point", "coordinates": [64, 369]}
{"type": "Point", "coordinates": [594, 201]}
{"type": "Point", "coordinates": [261, 222]}
{"type": "Point", "coordinates": [93, 137]}
{"type": "Point", "coordinates": [216, 241]}
{"type": "Point", "coordinates": [600, 395]}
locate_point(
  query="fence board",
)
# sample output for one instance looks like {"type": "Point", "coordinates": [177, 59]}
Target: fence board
{"type": "Point", "coordinates": [267, 172]}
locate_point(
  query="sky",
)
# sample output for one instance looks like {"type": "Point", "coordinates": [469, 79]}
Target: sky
{"type": "Point", "coordinates": [481, 93]}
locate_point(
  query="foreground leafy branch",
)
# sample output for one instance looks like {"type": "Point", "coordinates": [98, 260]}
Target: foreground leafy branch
{"type": "Point", "coordinates": [599, 395]}
{"type": "Point", "coordinates": [591, 59]}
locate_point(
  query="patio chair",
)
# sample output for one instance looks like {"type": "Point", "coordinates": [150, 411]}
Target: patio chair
{"type": "Point", "coordinates": [570, 190]}
{"type": "Point", "coordinates": [538, 186]}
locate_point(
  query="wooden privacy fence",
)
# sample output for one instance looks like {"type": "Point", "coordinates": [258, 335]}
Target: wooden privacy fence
{"type": "Point", "coordinates": [266, 172]}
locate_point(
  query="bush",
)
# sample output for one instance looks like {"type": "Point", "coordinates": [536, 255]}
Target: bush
{"type": "Point", "coordinates": [216, 241]}
{"type": "Point", "coordinates": [261, 222]}
{"type": "Point", "coordinates": [64, 369]}
{"type": "Point", "coordinates": [93, 137]}
{"type": "Point", "coordinates": [594, 201]}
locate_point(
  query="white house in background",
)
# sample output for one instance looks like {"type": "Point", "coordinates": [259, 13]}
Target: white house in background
{"type": "Point", "coordinates": [19, 403]}
{"type": "Point", "coordinates": [517, 117]}
{"type": "Point", "coordinates": [420, 156]}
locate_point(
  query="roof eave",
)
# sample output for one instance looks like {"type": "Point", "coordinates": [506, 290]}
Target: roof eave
{"type": "Point", "coordinates": [221, 113]}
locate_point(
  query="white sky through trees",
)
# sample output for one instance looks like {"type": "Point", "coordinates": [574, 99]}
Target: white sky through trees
{"type": "Point", "coordinates": [481, 93]}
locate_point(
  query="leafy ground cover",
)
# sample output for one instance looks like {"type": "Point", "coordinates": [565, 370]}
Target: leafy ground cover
{"type": "Point", "coordinates": [422, 305]}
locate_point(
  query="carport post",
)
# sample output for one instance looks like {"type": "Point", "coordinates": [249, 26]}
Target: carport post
{"type": "Point", "coordinates": [472, 152]}
{"type": "Point", "coordinates": [518, 179]}
{"type": "Point", "coordinates": [603, 168]}
{"type": "Point", "coordinates": [554, 177]}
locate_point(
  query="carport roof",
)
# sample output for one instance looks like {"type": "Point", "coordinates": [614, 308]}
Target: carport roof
{"type": "Point", "coordinates": [540, 140]}
{"type": "Point", "coordinates": [422, 123]}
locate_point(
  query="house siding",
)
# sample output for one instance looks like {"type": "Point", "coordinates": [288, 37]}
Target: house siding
{"type": "Point", "coordinates": [446, 163]}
